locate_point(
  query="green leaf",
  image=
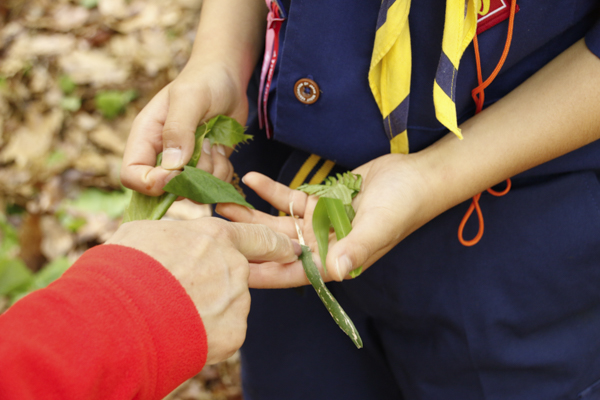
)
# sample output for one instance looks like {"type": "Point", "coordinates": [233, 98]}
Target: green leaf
{"type": "Point", "coordinates": [332, 305]}
{"type": "Point", "coordinates": [226, 131]}
{"type": "Point", "coordinates": [70, 103]}
{"type": "Point", "coordinates": [338, 217]}
{"type": "Point", "coordinates": [14, 276]}
{"type": "Point", "coordinates": [99, 201]}
{"type": "Point", "coordinates": [51, 272]}
{"type": "Point", "coordinates": [219, 130]}
{"type": "Point", "coordinates": [9, 243]}
{"type": "Point", "coordinates": [112, 102]}
{"type": "Point", "coordinates": [152, 208]}
{"type": "Point", "coordinates": [66, 84]}
{"type": "Point", "coordinates": [321, 224]}
{"type": "Point", "coordinates": [200, 186]}
{"type": "Point", "coordinates": [88, 3]}
{"type": "Point", "coordinates": [345, 187]}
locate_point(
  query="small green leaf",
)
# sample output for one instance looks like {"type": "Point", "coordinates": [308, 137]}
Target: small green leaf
{"type": "Point", "coordinates": [56, 158]}
{"type": "Point", "coordinates": [14, 276]}
{"type": "Point", "coordinates": [226, 131]}
{"type": "Point", "coordinates": [338, 217]}
{"type": "Point", "coordinates": [51, 272]}
{"type": "Point", "coordinates": [70, 222]}
{"type": "Point", "coordinates": [66, 84]}
{"type": "Point", "coordinates": [9, 243]}
{"type": "Point", "coordinates": [345, 187]}
{"type": "Point", "coordinates": [112, 102]}
{"type": "Point", "coordinates": [88, 3]}
{"type": "Point", "coordinates": [99, 201]}
{"type": "Point", "coordinates": [321, 224]}
{"type": "Point", "coordinates": [337, 312]}
{"type": "Point", "coordinates": [219, 130]}
{"type": "Point", "coordinates": [70, 103]}
{"type": "Point", "coordinates": [200, 186]}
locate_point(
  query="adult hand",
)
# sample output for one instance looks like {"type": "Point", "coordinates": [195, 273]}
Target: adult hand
{"type": "Point", "coordinates": [390, 206]}
{"type": "Point", "coordinates": [209, 257]}
{"type": "Point", "coordinates": [168, 122]}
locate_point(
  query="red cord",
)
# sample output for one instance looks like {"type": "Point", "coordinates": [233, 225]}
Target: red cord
{"type": "Point", "coordinates": [478, 95]}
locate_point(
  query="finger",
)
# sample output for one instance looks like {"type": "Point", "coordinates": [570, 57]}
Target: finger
{"type": "Point", "coordinates": [260, 243]}
{"type": "Point", "coordinates": [185, 112]}
{"type": "Point", "coordinates": [147, 180]}
{"type": "Point", "coordinates": [206, 161]}
{"type": "Point", "coordinates": [143, 145]}
{"type": "Point", "coordinates": [272, 275]}
{"type": "Point", "coordinates": [222, 167]}
{"type": "Point", "coordinates": [237, 213]}
{"type": "Point", "coordinates": [371, 234]}
{"type": "Point", "coordinates": [277, 194]}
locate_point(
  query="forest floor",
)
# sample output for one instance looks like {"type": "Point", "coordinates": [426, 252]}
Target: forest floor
{"type": "Point", "coordinates": [73, 76]}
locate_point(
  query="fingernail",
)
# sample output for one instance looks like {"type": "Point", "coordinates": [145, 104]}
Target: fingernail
{"type": "Point", "coordinates": [206, 146]}
{"type": "Point", "coordinates": [172, 158]}
{"type": "Point", "coordinates": [221, 149]}
{"type": "Point", "coordinates": [297, 248]}
{"type": "Point", "coordinates": [343, 265]}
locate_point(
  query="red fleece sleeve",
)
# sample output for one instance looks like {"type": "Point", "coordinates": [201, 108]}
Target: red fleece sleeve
{"type": "Point", "coordinates": [117, 325]}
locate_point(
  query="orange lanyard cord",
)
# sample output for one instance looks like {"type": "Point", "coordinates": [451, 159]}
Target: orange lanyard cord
{"type": "Point", "coordinates": [478, 95]}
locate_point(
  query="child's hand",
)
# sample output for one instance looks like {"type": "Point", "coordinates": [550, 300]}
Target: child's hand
{"type": "Point", "coordinates": [392, 203]}
{"type": "Point", "coordinates": [168, 122]}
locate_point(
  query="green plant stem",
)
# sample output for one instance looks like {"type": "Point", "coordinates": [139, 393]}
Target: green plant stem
{"type": "Point", "coordinates": [334, 308]}
{"type": "Point", "coordinates": [161, 208]}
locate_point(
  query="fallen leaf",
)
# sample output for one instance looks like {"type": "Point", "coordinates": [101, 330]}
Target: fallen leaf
{"type": "Point", "coordinates": [67, 17]}
{"type": "Point", "coordinates": [33, 140]}
{"type": "Point", "coordinates": [106, 138]}
{"type": "Point", "coordinates": [56, 240]}
{"type": "Point", "coordinates": [93, 67]}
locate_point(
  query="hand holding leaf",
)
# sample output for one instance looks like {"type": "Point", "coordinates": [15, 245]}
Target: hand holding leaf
{"type": "Point", "coordinates": [193, 183]}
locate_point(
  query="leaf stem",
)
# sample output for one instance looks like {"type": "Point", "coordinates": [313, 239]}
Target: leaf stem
{"type": "Point", "coordinates": [332, 305]}
{"type": "Point", "coordinates": [161, 208]}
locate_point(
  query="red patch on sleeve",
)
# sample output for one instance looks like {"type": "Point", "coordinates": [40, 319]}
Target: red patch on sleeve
{"type": "Point", "coordinates": [498, 12]}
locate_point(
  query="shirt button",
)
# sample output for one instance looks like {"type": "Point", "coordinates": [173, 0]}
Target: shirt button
{"type": "Point", "coordinates": [307, 91]}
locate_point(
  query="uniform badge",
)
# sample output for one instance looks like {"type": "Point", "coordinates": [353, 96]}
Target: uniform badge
{"type": "Point", "coordinates": [499, 11]}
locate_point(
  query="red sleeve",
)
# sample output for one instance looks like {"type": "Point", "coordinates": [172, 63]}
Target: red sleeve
{"type": "Point", "coordinates": [117, 325]}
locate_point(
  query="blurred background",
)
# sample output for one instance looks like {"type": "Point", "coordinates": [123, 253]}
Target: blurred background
{"type": "Point", "coordinates": [73, 76]}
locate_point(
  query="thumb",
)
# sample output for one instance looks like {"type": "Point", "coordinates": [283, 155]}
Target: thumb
{"type": "Point", "coordinates": [260, 243]}
{"type": "Point", "coordinates": [368, 238]}
{"type": "Point", "coordinates": [185, 111]}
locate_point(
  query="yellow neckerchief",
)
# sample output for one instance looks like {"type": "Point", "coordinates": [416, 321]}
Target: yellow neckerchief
{"type": "Point", "coordinates": [390, 70]}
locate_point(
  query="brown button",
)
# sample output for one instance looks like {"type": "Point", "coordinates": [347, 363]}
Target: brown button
{"type": "Point", "coordinates": [307, 91]}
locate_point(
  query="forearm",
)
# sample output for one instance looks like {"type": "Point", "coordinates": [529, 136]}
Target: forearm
{"type": "Point", "coordinates": [232, 32]}
{"type": "Point", "coordinates": [116, 325]}
{"type": "Point", "coordinates": [554, 112]}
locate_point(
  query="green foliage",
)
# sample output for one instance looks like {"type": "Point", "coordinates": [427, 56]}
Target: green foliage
{"type": "Point", "coordinates": [16, 280]}
{"type": "Point", "coordinates": [15, 277]}
{"type": "Point", "coordinates": [42, 278]}
{"type": "Point", "coordinates": [70, 103]}
{"type": "Point", "coordinates": [66, 84]}
{"type": "Point", "coordinates": [9, 243]}
{"type": "Point", "coordinates": [88, 3]}
{"type": "Point", "coordinates": [219, 130]}
{"type": "Point", "coordinates": [334, 208]}
{"type": "Point", "coordinates": [111, 103]}
{"type": "Point", "coordinates": [345, 187]}
{"type": "Point", "coordinates": [332, 305]}
{"type": "Point", "coordinates": [198, 185]}
{"type": "Point", "coordinates": [99, 201]}
{"type": "Point", "coordinates": [56, 157]}
{"type": "Point", "coordinates": [70, 222]}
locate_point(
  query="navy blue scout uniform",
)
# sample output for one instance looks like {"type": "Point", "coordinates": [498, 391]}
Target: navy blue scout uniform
{"type": "Point", "coordinates": [515, 317]}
